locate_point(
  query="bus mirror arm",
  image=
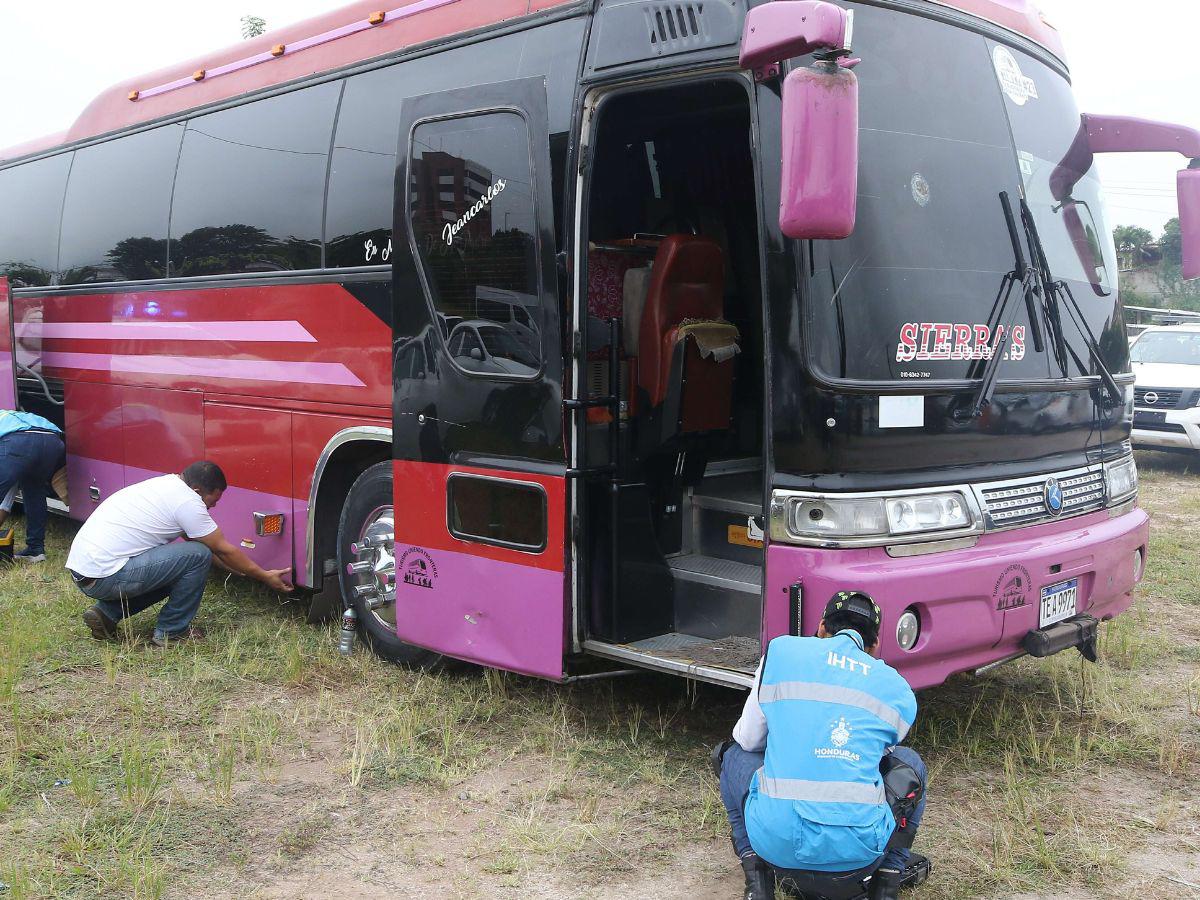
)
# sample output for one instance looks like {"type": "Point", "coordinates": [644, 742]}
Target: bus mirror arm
{"type": "Point", "coordinates": [1125, 134]}
{"type": "Point", "coordinates": [785, 29]}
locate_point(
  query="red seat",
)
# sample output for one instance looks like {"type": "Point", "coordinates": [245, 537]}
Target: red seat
{"type": "Point", "coordinates": [687, 285]}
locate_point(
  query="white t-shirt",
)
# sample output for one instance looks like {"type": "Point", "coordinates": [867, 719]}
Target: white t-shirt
{"type": "Point", "coordinates": [136, 519]}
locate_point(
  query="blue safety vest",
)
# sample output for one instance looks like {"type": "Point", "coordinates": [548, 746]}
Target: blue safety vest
{"type": "Point", "coordinates": [832, 711]}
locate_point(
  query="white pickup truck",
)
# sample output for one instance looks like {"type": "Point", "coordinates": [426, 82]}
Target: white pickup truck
{"type": "Point", "coordinates": [1166, 361]}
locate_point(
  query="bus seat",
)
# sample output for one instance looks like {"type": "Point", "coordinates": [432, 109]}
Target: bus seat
{"type": "Point", "coordinates": [682, 368]}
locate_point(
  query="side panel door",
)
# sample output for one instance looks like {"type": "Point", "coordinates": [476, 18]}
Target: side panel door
{"type": "Point", "coordinates": [479, 472]}
{"type": "Point", "coordinates": [8, 376]}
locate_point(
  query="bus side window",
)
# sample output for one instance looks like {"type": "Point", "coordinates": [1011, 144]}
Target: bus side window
{"type": "Point", "coordinates": [249, 193]}
{"type": "Point", "coordinates": [31, 197]}
{"type": "Point", "coordinates": [112, 233]}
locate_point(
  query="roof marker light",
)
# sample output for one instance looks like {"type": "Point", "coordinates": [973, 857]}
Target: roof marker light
{"type": "Point", "coordinates": [412, 8]}
{"type": "Point", "coordinates": [133, 95]}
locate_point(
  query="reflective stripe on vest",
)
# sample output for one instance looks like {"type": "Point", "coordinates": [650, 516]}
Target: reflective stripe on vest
{"type": "Point", "coordinates": [819, 791]}
{"type": "Point", "coordinates": [831, 693]}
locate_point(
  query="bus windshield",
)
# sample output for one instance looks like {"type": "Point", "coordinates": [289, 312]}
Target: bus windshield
{"type": "Point", "coordinates": [911, 294]}
{"type": "Point", "coordinates": [1180, 348]}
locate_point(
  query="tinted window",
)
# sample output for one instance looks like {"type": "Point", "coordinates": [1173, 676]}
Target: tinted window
{"type": "Point", "coordinates": [492, 511]}
{"type": "Point", "coordinates": [909, 294]}
{"type": "Point", "coordinates": [1062, 186]}
{"type": "Point", "coordinates": [364, 158]}
{"type": "Point", "coordinates": [358, 224]}
{"type": "Point", "coordinates": [250, 189]}
{"type": "Point", "coordinates": [473, 220]}
{"type": "Point", "coordinates": [31, 198]}
{"type": "Point", "coordinates": [117, 209]}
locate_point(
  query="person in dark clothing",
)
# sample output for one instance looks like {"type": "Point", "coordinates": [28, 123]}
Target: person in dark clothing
{"type": "Point", "coordinates": [31, 451]}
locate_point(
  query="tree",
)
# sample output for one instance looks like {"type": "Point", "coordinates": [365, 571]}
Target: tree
{"type": "Point", "coordinates": [253, 26]}
{"type": "Point", "coordinates": [1131, 237]}
{"type": "Point", "coordinates": [1171, 243]}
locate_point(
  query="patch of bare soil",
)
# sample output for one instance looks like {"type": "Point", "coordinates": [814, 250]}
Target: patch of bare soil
{"type": "Point", "coordinates": [310, 836]}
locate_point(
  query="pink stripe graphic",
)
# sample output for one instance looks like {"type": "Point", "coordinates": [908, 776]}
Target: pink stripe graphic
{"type": "Point", "coordinates": [260, 331]}
{"type": "Point", "coordinates": [206, 367]}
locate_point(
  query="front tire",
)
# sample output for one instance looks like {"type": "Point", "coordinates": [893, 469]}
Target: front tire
{"type": "Point", "coordinates": [367, 566]}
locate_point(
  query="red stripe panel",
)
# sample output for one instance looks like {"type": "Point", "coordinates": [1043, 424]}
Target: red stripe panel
{"type": "Point", "coordinates": [420, 496]}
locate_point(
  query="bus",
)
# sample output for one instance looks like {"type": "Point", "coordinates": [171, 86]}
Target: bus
{"type": "Point", "coordinates": [544, 331]}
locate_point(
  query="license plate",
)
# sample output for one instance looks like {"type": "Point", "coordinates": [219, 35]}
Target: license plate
{"type": "Point", "coordinates": [1058, 602]}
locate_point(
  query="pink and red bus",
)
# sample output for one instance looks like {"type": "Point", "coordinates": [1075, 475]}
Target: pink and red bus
{"type": "Point", "coordinates": [536, 330]}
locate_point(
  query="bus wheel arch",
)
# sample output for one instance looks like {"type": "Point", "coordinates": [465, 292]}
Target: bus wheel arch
{"type": "Point", "coordinates": [346, 456]}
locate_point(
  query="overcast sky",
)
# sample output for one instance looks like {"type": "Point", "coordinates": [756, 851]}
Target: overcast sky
{"type": "Point", "coordinates": [56, 58]}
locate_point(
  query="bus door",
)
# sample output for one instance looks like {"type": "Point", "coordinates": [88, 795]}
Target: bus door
{"type": "Point", "coordinates": [479, 472]}
{"type": "Point", "coordinates": [8, 374]}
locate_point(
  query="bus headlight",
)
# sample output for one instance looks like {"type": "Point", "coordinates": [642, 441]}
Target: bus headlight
{"type": "Point", "coordinates": [908, 629]}
{"type": "Point", "coordinates": [1121, 480]}
{"type": "Point", "coordinates": [829, 517]}
{"type": "Point", "coordinates": [877, 518]}
{"type": "Point", "coordinates": [927, 512]}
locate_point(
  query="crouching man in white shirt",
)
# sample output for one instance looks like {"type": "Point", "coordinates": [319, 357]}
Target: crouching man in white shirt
{"type": "Point", "coordinates": [125, 557]}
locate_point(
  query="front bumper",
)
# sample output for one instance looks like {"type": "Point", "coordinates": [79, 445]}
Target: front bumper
{"type": "Point", "coordinates": [976, 605]}
{"type": "Point", "coordinates": [1178, 430]}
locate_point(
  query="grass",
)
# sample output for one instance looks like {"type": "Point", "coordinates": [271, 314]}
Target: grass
{"type": "Point", "coordinates": [261, 759]}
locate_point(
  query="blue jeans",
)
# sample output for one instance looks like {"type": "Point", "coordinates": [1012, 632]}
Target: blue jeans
{"type": "Point", "coordinates": [738, 767]}
{"type": "Point", "coordinates": [29, 460]}
{"type": "Point", "coordinates": [175, 571]}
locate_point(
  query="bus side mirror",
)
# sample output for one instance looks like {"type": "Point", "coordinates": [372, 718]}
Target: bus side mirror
{"type": "Point", "coordinates": [819, 185]}
{"type": "Point", "coordinates": [1188, 188]}
{"type": "Point", "coordinates": [818, 192]}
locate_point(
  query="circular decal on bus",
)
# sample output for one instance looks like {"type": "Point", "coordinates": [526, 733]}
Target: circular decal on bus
{"type": "Point", "coordinates": [1019, 87]}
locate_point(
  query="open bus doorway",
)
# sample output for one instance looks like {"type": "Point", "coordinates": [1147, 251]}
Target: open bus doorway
{"type": "Point", "coordinates": [672, 547]}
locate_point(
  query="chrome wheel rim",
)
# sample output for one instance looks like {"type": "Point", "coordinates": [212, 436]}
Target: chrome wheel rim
{"type": "Point", "coordinates": [373, 569]}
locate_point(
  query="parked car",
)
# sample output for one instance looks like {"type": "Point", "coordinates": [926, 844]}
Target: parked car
{"type": "Point", "coordinates": [482, 346]}
{"type": "Point", "coordinates": [1166, 361]}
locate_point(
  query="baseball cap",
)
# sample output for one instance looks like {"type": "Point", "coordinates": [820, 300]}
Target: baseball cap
{"type": "Point", "coordinates": [856, 603]}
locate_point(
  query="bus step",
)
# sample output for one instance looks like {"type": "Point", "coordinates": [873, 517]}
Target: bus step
{"type": "Point", "coordinates": [729, 661]}
{"type": "Point", "coordinates": [716, 597]}
{"type": "Point", "coordinates": [715, 572]}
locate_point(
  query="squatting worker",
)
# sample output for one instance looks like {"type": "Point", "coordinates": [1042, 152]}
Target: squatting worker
{"type": "Point", "coordinates": [802, 780]}
{"type": "Point", "coordinates": [124, 557]}
{"type": "Point", "coordinates": [31, 451]}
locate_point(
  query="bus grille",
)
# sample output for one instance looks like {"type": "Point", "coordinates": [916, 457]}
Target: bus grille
{"type": "Point", "coordinates": [1023, 501]}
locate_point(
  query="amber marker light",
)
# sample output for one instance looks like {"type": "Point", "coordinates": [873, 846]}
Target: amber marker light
{"type": "Point", "coordinates": [376, 18]}
{"type": "Point", "coordinates": [198, 75]}
{"type": "Point", "coordinates": [133, 95]}
{"type": "Point", "coordinates": [268, 524]}
{"type": "Point", "coordinates": [278, 50]}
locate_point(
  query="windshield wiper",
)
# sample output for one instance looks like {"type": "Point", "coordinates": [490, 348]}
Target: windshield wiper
{"type": "Point", "coordinates": [1053, 291]}
{"type": "Point", "coordinates": [1024, 275]}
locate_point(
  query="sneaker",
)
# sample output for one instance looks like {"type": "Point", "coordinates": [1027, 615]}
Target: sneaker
{"type": "Point", "coordinates": [30, 556]}
{"type": "Point", "coordinates": [102, 627]}
{"type": "Point", "coordinates": [192, 633]}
